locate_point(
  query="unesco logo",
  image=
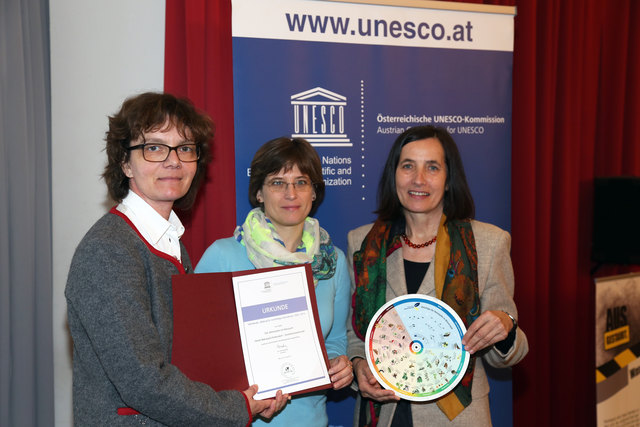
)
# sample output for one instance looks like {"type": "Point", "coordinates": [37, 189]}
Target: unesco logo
{"type": "Point", "coordinates": [318, 117]}
{"type": "Point", "coordinates": [287, 370]}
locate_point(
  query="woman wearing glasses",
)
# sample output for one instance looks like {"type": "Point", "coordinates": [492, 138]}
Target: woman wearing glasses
{"type": "Point", "coordinates": [118, 291]}
{"type": "Point", "coordinates": [285, 188]}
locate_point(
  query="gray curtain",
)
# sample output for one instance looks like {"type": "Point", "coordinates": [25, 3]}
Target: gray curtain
{"type": "Point", "coordinates": [26, 343]}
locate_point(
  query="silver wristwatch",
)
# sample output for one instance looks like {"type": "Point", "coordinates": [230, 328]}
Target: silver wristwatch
{"type": "Point", "coordinates": [513, 319]}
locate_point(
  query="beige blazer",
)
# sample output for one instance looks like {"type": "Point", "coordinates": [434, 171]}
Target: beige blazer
{"type": "Point", "coordinates": [495, 281]}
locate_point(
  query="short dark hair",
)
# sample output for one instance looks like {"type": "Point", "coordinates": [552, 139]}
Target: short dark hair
{"type": "Point", "coordinates": [149, 112]}
{"type": "Point", "coordinates": [457, 203]}
{"type": "Point", "coordinates": [285, 153]}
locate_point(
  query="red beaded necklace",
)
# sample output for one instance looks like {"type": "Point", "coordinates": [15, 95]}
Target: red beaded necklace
{"type": "Point", "coordinates": [413, 245]}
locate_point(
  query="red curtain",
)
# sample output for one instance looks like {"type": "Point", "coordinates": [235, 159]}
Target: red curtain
{"type": "Point", "coordinates": [576, 114]}
{"type": "Point", "coordinates": [198, 65]}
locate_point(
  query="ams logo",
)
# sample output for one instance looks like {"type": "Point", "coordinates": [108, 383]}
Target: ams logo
{"type": "Point", "coordinates": [617, 331]}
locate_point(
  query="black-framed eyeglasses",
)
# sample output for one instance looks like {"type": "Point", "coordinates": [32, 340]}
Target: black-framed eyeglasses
{"type": "Point", "coordinates": [160, 152]}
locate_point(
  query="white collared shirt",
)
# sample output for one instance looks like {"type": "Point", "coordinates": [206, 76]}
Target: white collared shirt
{"type": "Point", "coordinates": [163, 235]}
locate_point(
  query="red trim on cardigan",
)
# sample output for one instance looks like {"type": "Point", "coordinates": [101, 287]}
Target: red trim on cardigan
{"type": "Point", "coordinates": [161, 254]}
{"type": "Point", "coordinates": [178, 264]}
{"type": "Point", "coordinates": [127, 411]}
{"type": "Point", "coordinates": [246, 401]}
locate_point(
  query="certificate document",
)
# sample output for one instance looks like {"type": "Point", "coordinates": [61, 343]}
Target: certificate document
{"type": "Point", "coordinates": [278, 330]}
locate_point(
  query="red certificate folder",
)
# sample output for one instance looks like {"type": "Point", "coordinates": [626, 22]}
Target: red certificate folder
{"type": "Point", "coordinates": [206, 338]}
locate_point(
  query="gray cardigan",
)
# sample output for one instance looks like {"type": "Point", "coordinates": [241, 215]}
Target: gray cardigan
{"type": "Point", "coordinates": [120, 313]}
{"type": "Point", "coordinates": [496, 283]}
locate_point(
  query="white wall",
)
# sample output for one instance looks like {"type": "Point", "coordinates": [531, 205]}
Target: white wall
{"type": "Point", "coordinates": [102, 51]}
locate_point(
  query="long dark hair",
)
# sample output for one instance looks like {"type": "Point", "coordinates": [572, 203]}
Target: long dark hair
{"type": "Point", "coordinates": [457, 202]}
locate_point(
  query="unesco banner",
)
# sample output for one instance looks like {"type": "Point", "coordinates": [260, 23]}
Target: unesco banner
{"type": "Point", "coordinates": [350, 77]}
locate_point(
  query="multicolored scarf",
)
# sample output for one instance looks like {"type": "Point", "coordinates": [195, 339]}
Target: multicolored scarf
{"type": "Point", "coordinates": [265, 248]}
{"type": "Point", "coordinates": [456, 282]}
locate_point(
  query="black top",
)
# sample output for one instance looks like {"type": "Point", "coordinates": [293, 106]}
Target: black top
{"type": "Point", "coordinates": [414, 274]}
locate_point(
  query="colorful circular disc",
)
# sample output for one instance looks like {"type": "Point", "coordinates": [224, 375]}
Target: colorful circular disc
{"type": "Point", "coordinates": [414, 347]}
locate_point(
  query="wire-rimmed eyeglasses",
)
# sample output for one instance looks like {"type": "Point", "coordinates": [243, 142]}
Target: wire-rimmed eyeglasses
{"type": "Point", "coordinates": [160, 152]}
{"type": "Point", "coordinates": [301, 185]}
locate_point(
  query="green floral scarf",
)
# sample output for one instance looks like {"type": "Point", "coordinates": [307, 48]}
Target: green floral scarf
{"type": "Point", "coordinates": [265, 248]}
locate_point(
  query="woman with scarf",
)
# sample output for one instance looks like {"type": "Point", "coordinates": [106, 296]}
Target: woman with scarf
{"type": "Point", "coordinates": [425, 241]}
{"type": "Point", "coordinates": [285, 188]}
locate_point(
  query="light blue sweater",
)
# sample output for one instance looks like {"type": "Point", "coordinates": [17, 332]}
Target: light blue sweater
{"type": "Point", "coordinates": [333, 297]}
